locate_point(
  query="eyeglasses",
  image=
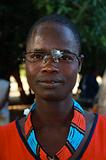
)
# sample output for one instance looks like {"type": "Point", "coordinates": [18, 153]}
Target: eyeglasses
{"type": "Point", "coordinates": [57, 55]}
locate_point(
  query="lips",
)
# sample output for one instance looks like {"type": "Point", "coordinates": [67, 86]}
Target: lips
{"type": "Point", "coordinates": [50, 83]}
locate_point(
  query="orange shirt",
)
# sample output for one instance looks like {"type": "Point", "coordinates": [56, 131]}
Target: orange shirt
{"type": "Point", "coordinates": [14, 147]}
{"type": "Point", "coordinates": [96, 149]}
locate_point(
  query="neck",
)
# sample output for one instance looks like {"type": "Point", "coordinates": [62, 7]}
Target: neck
{"type": "Point", "coordinates": [53, 112]}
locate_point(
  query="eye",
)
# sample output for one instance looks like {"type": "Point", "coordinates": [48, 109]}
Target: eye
{"type": "Point", "coordinates": [68, 58]}
{"type": "Point", "coordinates": [36, 56]}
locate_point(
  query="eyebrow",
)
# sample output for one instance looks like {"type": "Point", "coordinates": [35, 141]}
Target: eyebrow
{"type": "Point", "coordinates": [67, 51]}
{"type": "Point", "coordinates": [39, 50]}
{"type": "Point", "coordinates": [42, 50]}
{"type": "Point", "coordinates": [62, 50]}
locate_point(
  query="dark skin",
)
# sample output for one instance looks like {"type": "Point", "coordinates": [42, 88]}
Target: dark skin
{"type": "Point", "coordinates": [52, 117]}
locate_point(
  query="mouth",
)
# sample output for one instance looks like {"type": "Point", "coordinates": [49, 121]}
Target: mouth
{"type": "Point", "coordinates": [50, 83]}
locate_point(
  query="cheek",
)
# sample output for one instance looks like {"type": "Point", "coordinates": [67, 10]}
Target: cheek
{"type": "Point", "coordinates": [71, 74]}
{"type": "Point", "coordinates": [31, 69]}
{"type": "Point", "coordinates": [31, 73]}
{"type": "Point", "coordinates": [71, 70]}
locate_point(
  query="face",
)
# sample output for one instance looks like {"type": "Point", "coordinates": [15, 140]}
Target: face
{"type": "Point", "coordinates": [51, 80]}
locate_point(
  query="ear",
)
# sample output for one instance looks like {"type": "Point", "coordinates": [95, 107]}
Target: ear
{"type": "Point", "coordinates": [81, 59]}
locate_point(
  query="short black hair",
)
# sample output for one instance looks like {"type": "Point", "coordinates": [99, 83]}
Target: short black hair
{"type": "Point", "coordinates": [59, 19]}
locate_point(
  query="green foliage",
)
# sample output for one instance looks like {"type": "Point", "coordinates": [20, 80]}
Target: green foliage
{"type": "Point", "coordinates": [90, 17]}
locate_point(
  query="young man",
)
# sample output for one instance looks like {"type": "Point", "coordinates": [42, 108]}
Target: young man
{"type": "Point", "coordinates": [56, 127]}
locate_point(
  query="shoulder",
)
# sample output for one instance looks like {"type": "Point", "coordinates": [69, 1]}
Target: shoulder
{"type": "Point", "coordinates": [97, 119]}
{"type": "Point", "coordinates": [90, 118]}
{"type": "Point", "coordinates": [7, 135]}
{"type": "Point", "coordinates": [7, 130]}
{"type": "Point", "coordinates": [101, 122]}
{"type": "Point", "coordinates": [98, 124]}
{"type": "Point", "coordinates": [96, 138]}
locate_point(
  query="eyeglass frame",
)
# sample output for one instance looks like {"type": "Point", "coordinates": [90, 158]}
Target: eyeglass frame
{"type": "Point", "coordinates": [78, 57]}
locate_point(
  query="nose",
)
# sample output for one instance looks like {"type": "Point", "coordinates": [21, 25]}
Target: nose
{"type": "Point", "coordinates": [48, 65]}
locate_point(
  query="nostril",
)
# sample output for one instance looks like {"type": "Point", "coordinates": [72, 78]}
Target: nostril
{"type": "Point", "coordinates": [50, 69]}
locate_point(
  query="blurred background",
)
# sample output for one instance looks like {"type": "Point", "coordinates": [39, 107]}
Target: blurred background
{"type": "Point", "coordinates": [16, 18]}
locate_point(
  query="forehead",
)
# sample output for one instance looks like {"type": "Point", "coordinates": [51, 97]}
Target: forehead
{"type": "Point", "coordinates": [52, 35]}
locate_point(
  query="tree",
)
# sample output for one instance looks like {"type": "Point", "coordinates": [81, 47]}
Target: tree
{"type": "Point", "coordinates": [17, 16]}
{"type": "Point", "coordinates": [90, 16]}
{"type": "Point", "coordinates": [15, 20]}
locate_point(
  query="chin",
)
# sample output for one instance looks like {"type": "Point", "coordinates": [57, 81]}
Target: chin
{"type": "Point", "coordinates": [52, 97]}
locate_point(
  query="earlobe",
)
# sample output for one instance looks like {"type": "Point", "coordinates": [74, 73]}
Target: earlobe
{"type": "Point", "coordinates": [79, 68]}
{"type": "Point", "coordinates": [81, 59]}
